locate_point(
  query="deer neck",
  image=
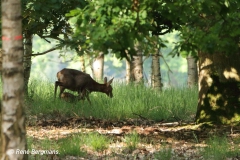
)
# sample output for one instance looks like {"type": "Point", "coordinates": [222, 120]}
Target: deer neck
{"type": "Point", "coordinates": [97, 87]}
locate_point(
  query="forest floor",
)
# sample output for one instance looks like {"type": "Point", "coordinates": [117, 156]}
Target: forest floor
{"type": "Point", "coordinates": [159, 140]}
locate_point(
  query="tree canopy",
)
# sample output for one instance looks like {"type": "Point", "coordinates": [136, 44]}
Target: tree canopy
{"type": "Point", "coordinates": [118, 25]}
{"type": "Point", "coordinates": [46, 18]}
{"type": "Point", "coordinates": [212, 27]}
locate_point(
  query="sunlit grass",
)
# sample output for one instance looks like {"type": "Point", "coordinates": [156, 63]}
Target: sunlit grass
{"type": "Point", "coordinates": [128, 102]}
{"type": "Point", "coordinates": [219, 148]}
{"type": "Point", "coordinates": [71, 145]}
{"type": "Point", "coordinates": [97, 142]}
{"type": "Point", "coordinates": [41, 148]}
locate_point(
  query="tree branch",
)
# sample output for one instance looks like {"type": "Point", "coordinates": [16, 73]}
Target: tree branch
{"type": "Point", "coordinates": [49, 36]}
{"type": "Point", "coordinates": [38, 54]}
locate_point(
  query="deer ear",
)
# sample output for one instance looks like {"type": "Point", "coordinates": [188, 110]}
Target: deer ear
{"type": "Point", "coordinates": [105, 80]}
{"type": "Point", "coordinates": [109, 82]}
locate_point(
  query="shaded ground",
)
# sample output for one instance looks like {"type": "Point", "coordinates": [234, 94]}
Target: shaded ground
{"type": "Point", "coordinates": [184, 140]}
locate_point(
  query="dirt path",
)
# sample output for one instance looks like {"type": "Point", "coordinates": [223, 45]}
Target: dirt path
{"type": "Point", "coordinates": [184, 139]}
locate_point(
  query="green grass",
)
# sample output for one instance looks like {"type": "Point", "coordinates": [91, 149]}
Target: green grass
{"type": "Point", "coordinates": [41, 148]}
{"type": "Point", "coordinates": [218, 148]}
{"type": "Point", "coordinates": [132, 140]}
{"type": "Point", "coordinates": [97, 142]}
{"type": "Point", "coordinates": [128, 101]}
{"type": "Point", "coordinates": [164, 154]}
{"type": "Point", "coordinates": [71, 145]}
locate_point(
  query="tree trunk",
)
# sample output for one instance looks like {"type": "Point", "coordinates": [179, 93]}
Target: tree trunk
{"type": "Point", "coordinates": [219, 88]}
{"type": "Point", "coordinates": [82, 64]}
{"type": "Point", "coordinates": [156, 73]}
{"type": "Point", "coordinates": [128, 71]}
{"type": "Point", "coordinates": [97, 67]}
{"type": "Point", "coordinates": [136, 66]}
{"type": "Point", "coordinates": [192, 71]}
{"type": "Point", "coordinates": [27, 61]}
{"type": "Point", "coordinates": [13, 121]}
{"type": "Point", "coordinates": [1, 54]}
{"type": "Point", "coordinates": [1, 60]}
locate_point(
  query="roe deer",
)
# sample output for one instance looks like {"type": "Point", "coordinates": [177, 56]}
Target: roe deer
{"type": "Point", "coordinates": [81, 82]}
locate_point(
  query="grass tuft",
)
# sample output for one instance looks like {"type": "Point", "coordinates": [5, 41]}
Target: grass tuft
{"type": "Point", "coordinates": [97, 142]}
{"type": "Point", "coordinates": [132, 140]}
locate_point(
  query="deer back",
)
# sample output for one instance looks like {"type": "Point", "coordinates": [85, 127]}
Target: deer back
{"type": "Point", "coordinates": [73, 79]}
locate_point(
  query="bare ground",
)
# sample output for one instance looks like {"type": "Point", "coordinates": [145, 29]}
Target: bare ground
{"type": "Point", "coordinates": [184, 139]}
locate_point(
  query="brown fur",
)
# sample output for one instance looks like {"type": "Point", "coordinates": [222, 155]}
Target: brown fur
{"type": "Point", "coordinates": [81, 82]}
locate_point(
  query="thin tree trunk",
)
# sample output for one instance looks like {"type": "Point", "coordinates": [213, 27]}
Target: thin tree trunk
{"type": "Point", "coordinates": [13, 121]}
{"type": "Point", "coordinates": [1, 54]}
{"type": "Point", "coordinates": [128, 71]}
{"type": "Point", "coordinates": [136, 66]}
{"type": "Point", "coordinates": [27, 61]}
{"type": "Point", "coordinates": [156, 73]}
{"type": "Point", "coordinates": [219, 88]}
{"type": "Point", "coordinates": [97, 67]}
{"type": "Point", "coordinates": [82, 64]}
{"type": "Point", "coordinates": [192, 71]}
{"type": "Point", "coordinates": [1, 51]}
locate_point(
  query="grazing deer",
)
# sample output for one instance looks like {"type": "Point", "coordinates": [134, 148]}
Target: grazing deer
{"type": "Point", "coordinates": [81, 82]}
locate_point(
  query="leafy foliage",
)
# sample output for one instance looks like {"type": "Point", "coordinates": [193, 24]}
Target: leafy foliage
{"type": "Point", "coordinates": [212, 27]}
{"type": "Point", "coordinates": [46, 18]}
{"type": "Point", "coordinates": [119, 25]}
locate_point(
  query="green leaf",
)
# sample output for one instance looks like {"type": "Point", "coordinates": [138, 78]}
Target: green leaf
{"type": "Point", "coordinates": [144, 14]}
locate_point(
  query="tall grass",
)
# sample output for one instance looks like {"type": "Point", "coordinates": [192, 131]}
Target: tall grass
{"type": "Point", "coordinates": [128, 102]}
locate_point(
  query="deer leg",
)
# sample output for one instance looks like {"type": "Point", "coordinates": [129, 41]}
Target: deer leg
{"type": "Point", "coordinates": [83, 95]}
{"type": "Point", "coordinates": [87, 96]}
{"type": "Point", "coordinates": [56, 85]}
{"type": "Point", "coordinates": [80, 95]}
{"type": "Point", "coordinates": [61, 91]}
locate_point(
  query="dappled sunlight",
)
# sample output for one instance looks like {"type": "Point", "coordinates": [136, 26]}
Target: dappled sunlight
{"type": "Point", "coordinates": [209, 80]}
{"type": "Point", "coordinates": [232, 74]}
{"type": "Point", "coordinates": [213, 100]}
{"type": "Point", "coordinates": [223, 120]}
{"type": "Point", "coordinates": [203, 115]}
{"type": "Point", "coordinates": [235, 118]}
{"type": "Point", "coordinates": [204, 70]}
{"type": "Point", "coordinates": [203, 97]}
{"type": "Point", "coordinates": [206, 62]}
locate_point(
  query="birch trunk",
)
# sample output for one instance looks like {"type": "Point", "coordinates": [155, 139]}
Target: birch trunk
{"type": "Point", "coordinates": [192, 71]}
{"type": "Point", "coordinates": [13, 121]}
{"type": "Point", "coordinates": [97, 67]}
{"type": "Point", "coordinates": [156, 73]}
